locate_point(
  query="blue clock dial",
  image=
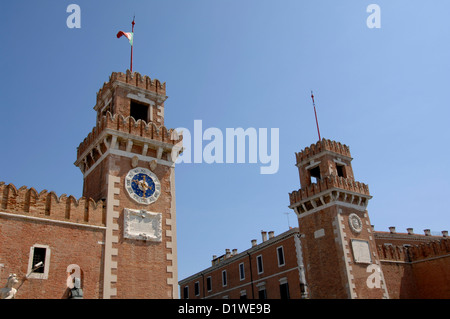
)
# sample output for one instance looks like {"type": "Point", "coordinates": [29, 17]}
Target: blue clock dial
{"type": "Point", "coordinates": [143, 185]}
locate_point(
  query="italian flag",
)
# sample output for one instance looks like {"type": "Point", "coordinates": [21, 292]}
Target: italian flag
{"type": "Point", "coordinates": [128, 35]}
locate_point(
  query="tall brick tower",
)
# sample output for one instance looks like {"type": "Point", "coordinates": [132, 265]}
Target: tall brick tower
{"type": "Point", "coordinates": [338, 244]}
{"type": "Point", "coordinates": [128, 161]}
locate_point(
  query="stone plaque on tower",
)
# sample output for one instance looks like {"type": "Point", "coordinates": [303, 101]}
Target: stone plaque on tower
{"type": "Point", "coordinates": [142, 225]}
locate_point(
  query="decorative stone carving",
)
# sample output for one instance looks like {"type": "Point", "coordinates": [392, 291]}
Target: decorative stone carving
{"type": "Point", "coordinates": [142, 225]}
{"type": "Point", "coordinates": [355, 223]}
{"type": "Point", "coordinates": [361, 251]}
{"type": "Point", "coordinates": [134, 161]}
{"type": "Point", "coordinates": [153, 165]}
{"type": "Point", "coordinates": [9, 292]}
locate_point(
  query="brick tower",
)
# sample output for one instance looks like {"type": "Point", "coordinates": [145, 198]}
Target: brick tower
{"type": "Point", "coordinates": [128, 161]}
{"type": "Point", "coordinates": [338, 244]}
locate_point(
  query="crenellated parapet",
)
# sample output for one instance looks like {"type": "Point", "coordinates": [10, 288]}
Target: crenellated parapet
{"type": "Point", "coordinates": [129, 125]}
{"type": "Point", "coordinates": [329, 182]}
{"type": "Point", "coordinates": [134, 79]}
{"type": "Point", "coordinates": [330, 189]}
{"type": "Point", "coordinates": [393, 253]}
{"type": "Point", "coordinates": [27, 201]}
{"type": "Point", "coordinates": [429, 250]}
{"type": "Point", "coordinates": [321, 146]}
{"type": "Point", "coordinates": [414, 253]}
{"type": "Point", "coordinates": [116, 133]}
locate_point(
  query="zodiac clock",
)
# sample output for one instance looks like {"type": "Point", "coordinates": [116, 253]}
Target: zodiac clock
{"type": "Point", "coordinates": [355, 223]}
{"type": "Point", "coordinates": [142, 185]}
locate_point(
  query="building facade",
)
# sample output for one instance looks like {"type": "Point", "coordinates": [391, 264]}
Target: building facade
{"type": "Point", "coordinates": [269, 270]}
{"type": "Point", "coordinates": [338, 242]}
{"type": "Point", "coordinates": [119, 239]}
{"type": "Point", "coordinates": [415, 266]}
{"type": "Point", "coordinates": [338, 253]}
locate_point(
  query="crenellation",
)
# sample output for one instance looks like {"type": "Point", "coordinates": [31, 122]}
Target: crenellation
{"type": "Point", "coordinates": [326, 183]}
{"type": "Point", "coordinates": [414, 253]}
{"type": "Point", "coordinates": [393, 253]}
{"type": "Point", "coordinates": [136, 79]}
{"type": "Point", "coordinates": [130, 126]}
{"type": "Point", "coordinates": [320, 146]}
{"type": "Point", "coordinates": [430, 250]}
{"type": "Point", "coordinates": [27, 201]}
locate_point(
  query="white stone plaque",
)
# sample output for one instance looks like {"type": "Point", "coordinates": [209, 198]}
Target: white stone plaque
{"type": "Point", "coordinates": [142, 225]}
{"type": "Point", "coordinates": [361, 251]}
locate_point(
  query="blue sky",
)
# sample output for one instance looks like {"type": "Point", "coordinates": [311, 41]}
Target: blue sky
{"type": "Point", "coordinates": [384, 92]}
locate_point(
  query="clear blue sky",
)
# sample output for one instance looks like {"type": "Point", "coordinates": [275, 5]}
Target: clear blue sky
{"type": "Point", "coordinates": [384, 92]}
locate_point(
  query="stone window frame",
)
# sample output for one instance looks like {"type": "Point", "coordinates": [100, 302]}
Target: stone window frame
{"type": "Point", "coordinates": [35, 275]}
{"type": "Point", "coordinates": [259, 264]}
{"type": "Point", "coordinates": [241, 271]}
{"type": "Point", "coordinates": [224, 278]}
{"type": "Point", "coordinates": [282, 254]}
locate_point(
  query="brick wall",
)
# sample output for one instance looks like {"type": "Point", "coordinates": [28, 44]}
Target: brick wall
{"type": "Point", "coordinates": [272, 276]}
{"type": "Point", "coordinates": [419, 271]}
{"type": "Point", "coordinates": [68, 244]}
{"type": "Point", "coordinates": [325, 270]}
{"type": "Point", "coordinates": [143, 265]}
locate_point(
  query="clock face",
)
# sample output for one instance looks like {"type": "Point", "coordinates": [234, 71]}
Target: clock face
{"type": "Point", "coordinates": [142, 185]}
{"type": "Point", "coordinates": [355, 223]}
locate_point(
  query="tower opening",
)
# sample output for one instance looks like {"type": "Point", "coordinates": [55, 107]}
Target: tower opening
{"type": "Point", "coordinates": [315, 173]}
{"type": "Point", "coordinates": [139, 111]}
{"type": "Point", "coordinates": [39, 256]}
{"type": "Point", "coordinates": [340, 171]}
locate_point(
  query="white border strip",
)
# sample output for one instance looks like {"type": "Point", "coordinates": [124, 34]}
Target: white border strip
{"type": "Point", "coordinates": [50, 220]}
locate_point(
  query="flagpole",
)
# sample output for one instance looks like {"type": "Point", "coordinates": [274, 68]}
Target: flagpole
{"type": "Point", "coordinates": [131, 61]}
{"type": "Point", "coordinates": [315, 113]}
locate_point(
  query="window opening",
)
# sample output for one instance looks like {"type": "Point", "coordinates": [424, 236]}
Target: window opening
{"type": "Point", "coordinates": [315, 173]}
{"type": "Point", "coordinates": [340, 170]}
{"type": "Point", "coordinates": [139, 111]}
{"type": "Point", "coordinates": [38, 257]}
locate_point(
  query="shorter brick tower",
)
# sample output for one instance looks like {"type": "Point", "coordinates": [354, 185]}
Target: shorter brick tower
{"type": "Point", "coordinates": [338, 244]}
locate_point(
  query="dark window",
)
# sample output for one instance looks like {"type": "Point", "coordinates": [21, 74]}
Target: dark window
{"type": "Point", "coordinates": [262, 294]}
{"type": "Point", "coordinates": [139, 111]}
{"type": "Point", "coordinates": [197, 288]}
{"type": "Point", "coordinates": [284, 291]}
{"type": "Point", "coordinates": [39, 256]}
{"type": "Point", "coordinates": [280, 256]}
{"type": "Point", "coordinates": [260, 264]}
{"type": "Point", "coordinates": [315, 173]}
{"type": "Point", "coordinates": [224, 278]}
{"type": "Point", "coordinates": [340, 170]}
{"type": "Point", "coordinates": [208, 284]}
{"type": "Point", "coordinates": [186, 292]}
{"type": "Point", "coordinates": [243, 296]}
{"type": "Point", "coordinates": [241, 271]}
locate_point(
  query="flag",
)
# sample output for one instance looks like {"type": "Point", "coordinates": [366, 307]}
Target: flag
{"type": "Point", "coordinates": [128, 35]}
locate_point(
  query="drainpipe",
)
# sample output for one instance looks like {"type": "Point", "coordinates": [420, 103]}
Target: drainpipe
{"type": "Point", "coordinates": [203, 285]}
{"type": "Point", "coordinates": [251, 275]}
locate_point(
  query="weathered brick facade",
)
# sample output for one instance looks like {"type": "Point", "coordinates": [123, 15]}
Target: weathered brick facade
{"type": "Point", "coordinates": [415, 266]}
{"type": "Point", "coordinates": [70, 240]}
{"type": "Point", "coordinates": [272, 269]}
{"type": "Point", "coordinates": [338, 253]}
{"type": "Point", "coordinates": [124, 246]}
{"type": "Point", "coordinates": [121, 239]}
